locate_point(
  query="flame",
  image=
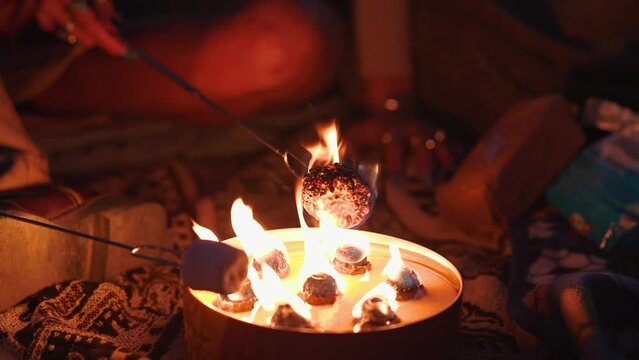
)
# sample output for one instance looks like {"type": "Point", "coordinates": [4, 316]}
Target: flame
{"type": "Point", "coordinates": [299, 188]}
{"type": "Point", "coordinates": [271, 292]}
{"type": "Point", "coordinates": [203, 233]}
{"type": "Point", "coordinates": [395, 264]}
{"type": "Point", "coordinates": [316, 251]}
{"type": "Point", "coordinates": [365, 278]}
{"type": "Point", "coordinates": [236, 296]}
{"type": "Point", "coordinates": [384, 291]}
{"type": "Point", "coordinates": [256, 242]}
{"type": "Point", "coordinates": [315, 262]}
{"type": "Point", "coordinates": [319, 250]}
{"type": "Point", "coordinates": [330, 147]}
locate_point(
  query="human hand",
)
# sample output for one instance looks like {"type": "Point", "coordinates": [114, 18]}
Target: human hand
{"type": "Point", "coordinates": [79, 22]}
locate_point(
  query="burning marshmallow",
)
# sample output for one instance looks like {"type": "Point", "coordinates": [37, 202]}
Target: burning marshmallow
{"type": "Point", "coordinates": [333, 189]}
{"type": "Point", "coordinates": [320, 289]}
{"type": "Point", "coordinates": [351, 260]}
{"type": "Point", "coordinates": [213, 266]}
{"type": "Point", "coordinates": [240, 301]}
{"type": "Point", "coordinates": [376, 308]}
{"type": "Point", "coordinates": [264, 248]}
{"type": "Point", "coordinates": [289, 310]}
{"type": "Point", "coordinates": [286, 317]}
{"type": "Point", "coordinates": [339, 191]}
{"type": "Point", "coordinates": [276, 259]}
{"type": "Point", "coordinates": [402, 278]}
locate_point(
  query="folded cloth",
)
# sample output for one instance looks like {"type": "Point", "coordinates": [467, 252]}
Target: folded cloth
{"type": "Point", "coordinates": [564, 291]}
{"type": "Point", "coordinates": [137, 316]}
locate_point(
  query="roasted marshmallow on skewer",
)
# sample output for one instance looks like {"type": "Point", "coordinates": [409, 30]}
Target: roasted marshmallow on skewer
{"type": "Point", "coordinates": [338, 191]}
{"type": "Point", "coordinates": [214, 266]}
{"type": "Point", "coordinates": [402, 278]}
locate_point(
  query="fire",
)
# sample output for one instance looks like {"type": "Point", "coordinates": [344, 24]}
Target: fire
{"type": "Point", "coordinates": [383, 291]}
{"type": "Point", "coordinates": [320, 250]}
{"type": "Point", "coordinates": [203, 233]}
{"type": "Point", "coordinates": [315, 262]}
{"type": "Point", "coordinates": [256, 242]}
{"type": "Point", "coordinates": [272, 292]}
{"type": "Point", "coordinates": [316, 251]}
{"type": "Point", "coordinates": [334, 190]}
{"type": "Point", "coordinates": [393, 269]}
{"type": "Point", "coordinates": [329, 149]}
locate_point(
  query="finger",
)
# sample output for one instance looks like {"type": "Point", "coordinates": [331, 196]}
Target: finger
{"type": "Point", "coordinates": [86, 20]}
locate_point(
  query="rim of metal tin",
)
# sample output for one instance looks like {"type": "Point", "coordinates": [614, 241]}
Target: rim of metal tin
{"type": "Point", "coordinates": [380, 239]}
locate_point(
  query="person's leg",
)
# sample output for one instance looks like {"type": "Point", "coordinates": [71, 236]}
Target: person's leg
{"type": "Point", "coordinates": [274, 52]}
{"type": "Point", "coordinates": [21, 162]}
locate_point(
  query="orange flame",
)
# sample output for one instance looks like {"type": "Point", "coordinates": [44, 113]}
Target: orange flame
{"type": "Point", "coordinates": [271, 292]}
{"type": "Point", "coordinates": [393, 269]}
{"type": "Point", "coordinates": [330, 147]}
{"type": "Point", "coordinates": [256, 242]}
{"type": "Point", "coordinates": [316, 249]}
{"type": "Point", "coordinates": [320, 248]}
{"type": "Point", "coordinates": [203, 233]}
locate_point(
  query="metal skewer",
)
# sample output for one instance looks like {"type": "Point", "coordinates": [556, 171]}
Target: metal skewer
{"type": "Point", "coordinates": [134, 250]}
{"type": "Point", "coordinates": [136, 53]}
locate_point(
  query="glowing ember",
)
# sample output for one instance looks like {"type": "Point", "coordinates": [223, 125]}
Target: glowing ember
{"type": "Point", "coordinates": [332, 187]}
{"type": "Point", "coordinates": [203, 233]}
{"type": "Point", "coordinates": [376, 308]}
{"type": "Point", "coordinates": [403, 279]}
{"type": "Point", "coordinates": [262, 247]}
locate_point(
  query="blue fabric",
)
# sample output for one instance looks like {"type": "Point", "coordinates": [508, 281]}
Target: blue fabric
{"type": "Point", "coordinates": [564, 291]}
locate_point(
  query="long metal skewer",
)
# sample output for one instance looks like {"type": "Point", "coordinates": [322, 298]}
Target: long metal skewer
{"type": "Point", "coordinates": [137, 53]}
{"type": "Point", "coordinates": [134, 250]}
